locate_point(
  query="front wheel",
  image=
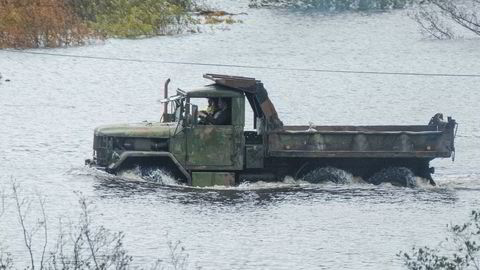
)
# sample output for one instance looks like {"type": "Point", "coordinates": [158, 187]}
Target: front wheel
{"type": "Point", "coordinates": [315, 175]}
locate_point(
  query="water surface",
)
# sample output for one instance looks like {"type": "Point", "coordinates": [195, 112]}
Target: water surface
{"type": "Point", "coordinates": [51, 105]}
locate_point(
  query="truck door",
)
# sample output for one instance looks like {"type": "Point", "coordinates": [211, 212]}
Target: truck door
{"type": "Point", "coordinates": [216, 147]}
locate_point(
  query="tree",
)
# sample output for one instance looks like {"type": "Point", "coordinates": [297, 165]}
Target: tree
{"type": "Point", "coordinates": [441, 18]}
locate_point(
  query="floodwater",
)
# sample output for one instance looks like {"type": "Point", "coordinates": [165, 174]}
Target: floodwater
{"type": "Point", "coordinates": [50, 106]}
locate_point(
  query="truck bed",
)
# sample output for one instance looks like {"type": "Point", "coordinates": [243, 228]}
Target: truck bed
{"type": "Point", "coordinates": [407, 141]}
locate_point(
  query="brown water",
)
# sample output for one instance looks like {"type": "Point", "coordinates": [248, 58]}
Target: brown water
{"type": "Point", "coordinates": [51, 105]}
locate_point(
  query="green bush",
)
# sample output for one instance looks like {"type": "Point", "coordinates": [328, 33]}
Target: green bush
{"type": "Point", "coordinates": [460, 250]}
{"type": "Point", "coordinates": [57, 23]}
{"type": "Point", "coordinates": [134, 18]}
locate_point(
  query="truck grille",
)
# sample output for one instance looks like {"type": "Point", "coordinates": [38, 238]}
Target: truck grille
{"type": "Point", "coordinates": [100, 149]}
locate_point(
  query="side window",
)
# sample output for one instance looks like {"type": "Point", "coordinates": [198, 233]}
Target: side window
{"type": "Point", "coordinates": [214, 111]}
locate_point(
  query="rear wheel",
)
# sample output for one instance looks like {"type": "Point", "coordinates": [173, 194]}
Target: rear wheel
{"type": "Point", "coordinates": [397, 176]}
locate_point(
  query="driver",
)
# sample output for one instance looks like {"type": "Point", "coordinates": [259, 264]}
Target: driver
{"type": "Point", "coordinates": [209, 112]}
{"type": "Point", "coordinates": [221, 116]}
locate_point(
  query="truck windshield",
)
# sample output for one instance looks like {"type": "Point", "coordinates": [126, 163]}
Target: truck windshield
{"type": "Point", "coordinates": [176, 109]}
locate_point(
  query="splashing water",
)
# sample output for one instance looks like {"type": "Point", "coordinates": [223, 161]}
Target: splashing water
{"type": "Point", "coordinates": [154, 175]}
{"type": "Point", "coordinates": [398, 176]}
{"type": "Point", "coordinates": [329, 174]}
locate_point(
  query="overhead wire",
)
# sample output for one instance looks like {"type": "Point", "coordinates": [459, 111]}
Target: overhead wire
{"type": "Point", "coordinates": [245, 66]}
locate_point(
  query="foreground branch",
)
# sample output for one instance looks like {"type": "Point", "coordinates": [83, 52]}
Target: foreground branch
{"type": "Point", "coordinates": [466, 240]}
{"type": "Point", "coordinates": [85, 246]}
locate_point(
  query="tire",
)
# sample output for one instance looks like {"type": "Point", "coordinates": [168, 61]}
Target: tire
{"type": "Point", "coordinates": [397, 176]}
{"type": "Point", "coordinates": [161, 175]}
{"type": "Point", "coordinates": [326, 174]}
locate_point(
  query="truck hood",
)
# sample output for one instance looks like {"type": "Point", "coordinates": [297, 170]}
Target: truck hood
{"type": "Point", "coordinates": [143, 129]}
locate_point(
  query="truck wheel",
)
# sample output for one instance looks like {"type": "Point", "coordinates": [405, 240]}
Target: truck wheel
{"type": "Point", "coordinates": [397, 176]}
{"type": "Point", "coordinates": [162, 175]}
{"type": "Point", "coordinates": [326, 174]}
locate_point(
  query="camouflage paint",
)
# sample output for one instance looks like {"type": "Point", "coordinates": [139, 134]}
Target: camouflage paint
{"type": "Point", "coordinates": [214, 154]}
{"type": "Point", "coordinates": [206, 179]}
{"type": "Point", "coordinates": [218, 147]}
{"type": "Point", "coordinates": [143, 129]}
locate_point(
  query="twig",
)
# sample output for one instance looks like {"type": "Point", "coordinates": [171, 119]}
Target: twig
{"type": "Point", "coordinates": [27, 238]}
{"type": "Point", "coordinates": [86, 232]}
{"type": "Point", "coordinates": [45, 230]}
{"type": "Point", "coordinates": [2, 199]}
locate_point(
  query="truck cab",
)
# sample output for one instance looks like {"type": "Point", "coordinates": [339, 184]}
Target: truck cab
{"type": "Point", "coordinates": [199, 154]}
{"type": "Point", "coordinates": [205, 149]}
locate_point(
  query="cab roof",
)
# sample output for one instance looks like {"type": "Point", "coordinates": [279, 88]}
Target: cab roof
{"type": "Point", "coordinates": [212, 90]}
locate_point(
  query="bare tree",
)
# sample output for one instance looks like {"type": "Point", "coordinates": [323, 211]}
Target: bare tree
{"type": "Point", "coordinates": [6, 261]}
{"type": "Point", "coordinates": [23, 209]}
{"type": "Point", "coordinates": [438, 18]}
{"type": "Point", "coordinates": [83, 245]}
{"type": "Point", "coordinates": [2, 197]}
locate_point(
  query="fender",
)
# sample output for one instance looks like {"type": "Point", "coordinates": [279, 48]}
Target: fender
{"type": "Point", "coordinates": [145, 154]}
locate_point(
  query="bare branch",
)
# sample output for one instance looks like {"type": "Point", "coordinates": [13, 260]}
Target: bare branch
{"type": "Point", "coordinates": [430, 24]}
{"type": "Point", "coordinates": [459, 17]}
{"type": "Point", "coordinates": [433, 16]}
{"type": "Point", "coordinates": [45, 230]}
{"type": "Point", "coordinates": [86, 230]}
{"type": "Point", "coordinates": [21, 217]}
{"type": "Point", "coordinates": [2, 202]}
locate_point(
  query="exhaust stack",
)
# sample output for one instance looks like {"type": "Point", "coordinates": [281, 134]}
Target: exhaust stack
{"type": "Point", "coordinates": [165, 105]}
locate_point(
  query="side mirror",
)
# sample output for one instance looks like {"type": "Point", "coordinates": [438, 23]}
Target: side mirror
{"type": "Point", "coordinates": [194, 115]}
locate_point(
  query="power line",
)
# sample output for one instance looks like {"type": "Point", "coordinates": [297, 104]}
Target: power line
{"type": "Point", "coordinates": [246, 66]}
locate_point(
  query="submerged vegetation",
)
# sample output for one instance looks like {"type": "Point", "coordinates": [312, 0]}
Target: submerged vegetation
{"type": "Point", "coordinates": [333, 5]}
{"type": "Point", "coordinates": [58, 23]}
{"type": "Point", "coordinates": [441, 19]}
{"type": "Point", "coordinates": [41, 23]}
{"type": "Point", "coordinates": [127, 18]}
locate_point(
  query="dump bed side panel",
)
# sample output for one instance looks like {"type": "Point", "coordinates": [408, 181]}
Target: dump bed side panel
{"type": "Point", "coordinates": [362, 142]}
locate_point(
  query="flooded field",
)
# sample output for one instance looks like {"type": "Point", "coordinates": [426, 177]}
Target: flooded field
{"type": "Point", "coordinates": [50, 105]}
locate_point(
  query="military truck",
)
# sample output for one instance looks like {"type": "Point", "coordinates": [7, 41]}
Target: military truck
{"type": "Point", "coordinates": [205, 155]}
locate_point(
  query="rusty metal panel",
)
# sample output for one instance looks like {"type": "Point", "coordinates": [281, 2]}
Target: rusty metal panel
{"type": "Point", "coordinates": [241, 83]}
{"type": "Point", "coordinates": [254, 155]}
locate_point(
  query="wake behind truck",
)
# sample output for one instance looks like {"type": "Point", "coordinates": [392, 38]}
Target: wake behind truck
{"type": "Point", "coordinates": [205, 155]}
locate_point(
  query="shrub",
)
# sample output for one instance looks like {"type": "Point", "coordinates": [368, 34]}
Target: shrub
{"type": "Point", "coordinates": [81, 244]}
{"type": "Point", "coordinates": [139, 18]}
{"type": "Point", "coordinates": [58, 23]}
{"type": "Point", "coordinates": [40, 23]}
{"type": "Point", "coordinates": [461, 250]}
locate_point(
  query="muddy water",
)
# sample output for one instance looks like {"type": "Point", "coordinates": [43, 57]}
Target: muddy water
{"type": "Point", "coordinates": [51, 105]}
